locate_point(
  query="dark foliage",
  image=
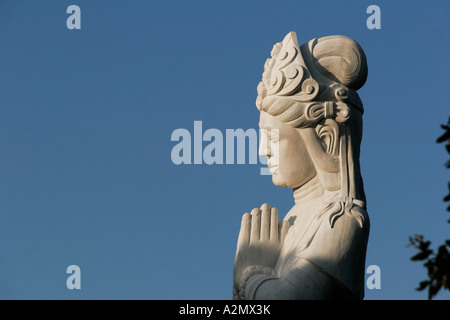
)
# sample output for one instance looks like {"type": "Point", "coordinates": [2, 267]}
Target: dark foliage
{"type": "Point", "coordinates": [437, 263]}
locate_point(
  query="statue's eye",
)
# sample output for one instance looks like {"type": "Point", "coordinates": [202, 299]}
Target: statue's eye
{"type": "Point", "coordinates": [274, 135]}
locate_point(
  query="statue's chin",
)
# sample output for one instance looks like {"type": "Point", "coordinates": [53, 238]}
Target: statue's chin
{"type": "Point", "coordinates": [278, 180]}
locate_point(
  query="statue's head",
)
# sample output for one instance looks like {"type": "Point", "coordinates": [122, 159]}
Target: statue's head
{"type": "Point", "coordinates": [308, 95]}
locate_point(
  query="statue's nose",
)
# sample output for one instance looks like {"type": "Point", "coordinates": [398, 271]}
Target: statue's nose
{"type": "Point", "coordinates": [264, 150]}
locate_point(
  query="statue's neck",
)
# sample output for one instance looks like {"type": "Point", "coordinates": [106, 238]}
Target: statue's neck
{"type": "Point", "coordinates": [309, 198]}
{"type": "Point", "coordinates": [309, 191]}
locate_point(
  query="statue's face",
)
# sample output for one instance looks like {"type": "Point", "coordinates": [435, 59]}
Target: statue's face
{"type": "Point", "coordinates": [287, 156]}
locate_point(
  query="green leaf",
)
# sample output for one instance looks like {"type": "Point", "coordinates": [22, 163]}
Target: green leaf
{"type": "Point", "coordinates": [433, 290]}
{"type": "Point", "coordinates": [423, 285]}
{"type": "Point", "coordinates": [421, 255]}
{"type": "Point", "coordinates": [447, 198]}
{"type": "Point", "coordinates": [445, 136]}
{"type": "Point", "coordinates": [424, 245]}
{"type": "Point", "coordinates": [442, 251]}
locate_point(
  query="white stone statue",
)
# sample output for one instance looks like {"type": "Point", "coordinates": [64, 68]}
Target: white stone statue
{"type": "Point", "coordinates": [312, 119]}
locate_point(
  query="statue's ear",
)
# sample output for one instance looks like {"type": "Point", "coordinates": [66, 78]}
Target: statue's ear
{"type": "Point", "coordinates": [322, 144]}
{"type": "Point", "coordinates": [328, 132]}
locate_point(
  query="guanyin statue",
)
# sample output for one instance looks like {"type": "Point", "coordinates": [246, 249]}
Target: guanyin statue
{"type": "Point", "coordinates": [311, 117]}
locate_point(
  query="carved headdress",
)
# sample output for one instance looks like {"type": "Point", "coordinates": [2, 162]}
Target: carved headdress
{"type": "Point", "coordinates": [328, 69]}
{"type": "Point", "coordinates": [314, 86]}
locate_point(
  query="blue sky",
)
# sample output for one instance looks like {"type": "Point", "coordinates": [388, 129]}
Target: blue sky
{"type": "Point", "coordinates": [86, 118]}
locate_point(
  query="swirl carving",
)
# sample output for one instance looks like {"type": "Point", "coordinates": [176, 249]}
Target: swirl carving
{"type": "Point", "coordinates": [317, 111]}
{"type": "Point", "coordinates": [286, 75]}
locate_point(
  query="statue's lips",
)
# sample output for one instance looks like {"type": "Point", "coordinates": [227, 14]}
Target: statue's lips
{"type": "Point", "coordinates": [273, 170]}
{"type": "Point", "coordinates": [273, 167]}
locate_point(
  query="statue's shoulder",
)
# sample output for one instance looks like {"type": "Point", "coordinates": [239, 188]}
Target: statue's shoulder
{"type": "Point", "coordinates": [346, 215]}
{"type": "Point", "coordinates": [338, 229]}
